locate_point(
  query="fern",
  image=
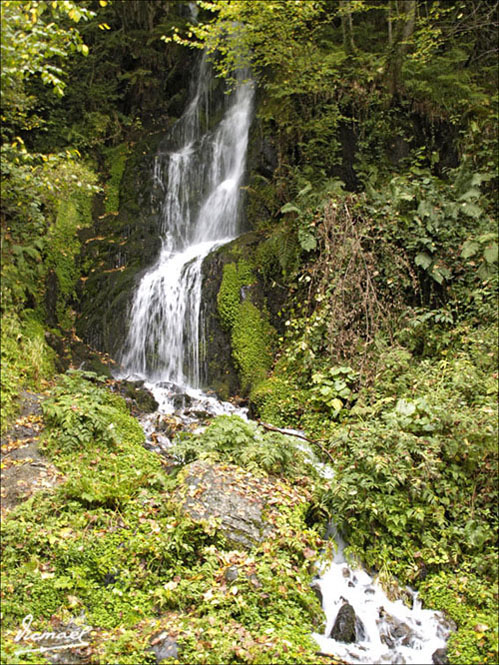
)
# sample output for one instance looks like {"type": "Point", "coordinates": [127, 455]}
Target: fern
{"type": "Point", "coordinates": [231, 439]}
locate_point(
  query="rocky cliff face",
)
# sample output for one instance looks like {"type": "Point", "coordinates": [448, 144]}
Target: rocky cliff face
{"type": "Point", "coordinates": [125, 240]}
{"type": "Point", "coordinates": [119, 246]}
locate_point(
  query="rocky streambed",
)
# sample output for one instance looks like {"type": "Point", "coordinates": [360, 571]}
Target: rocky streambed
{"type": "Point", "coordinates": [362, 624]}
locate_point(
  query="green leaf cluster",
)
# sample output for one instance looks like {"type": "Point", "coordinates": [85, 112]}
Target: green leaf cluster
{"type": "Point", "coordinates": [231, 439]}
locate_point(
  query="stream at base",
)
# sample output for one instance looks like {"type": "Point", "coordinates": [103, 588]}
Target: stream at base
{"type": "Point", "coordinates": [362, 624]}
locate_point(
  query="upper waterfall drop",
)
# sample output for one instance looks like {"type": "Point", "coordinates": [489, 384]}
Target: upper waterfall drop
{"type": "Point", "coordinates": [200, 178]}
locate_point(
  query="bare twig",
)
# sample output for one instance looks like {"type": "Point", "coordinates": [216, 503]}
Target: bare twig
{"type": "Point", "coordinates": [298, 435]}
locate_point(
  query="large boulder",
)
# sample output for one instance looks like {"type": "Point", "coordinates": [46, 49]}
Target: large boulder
{"type": "Point", "coordinates": [245, 505]}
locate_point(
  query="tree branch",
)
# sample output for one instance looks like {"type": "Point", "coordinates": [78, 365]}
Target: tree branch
{"type": "Point", "coordinates": [273, 428]}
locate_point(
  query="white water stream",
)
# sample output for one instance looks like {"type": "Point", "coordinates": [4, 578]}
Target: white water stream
{"type": "Point", "coordinates": [386, 631]}
{"type": "Point", "coordinates": [201, 178]}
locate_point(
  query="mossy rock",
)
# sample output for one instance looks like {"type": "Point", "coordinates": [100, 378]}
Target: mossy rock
{"type": "Point", "coordinates": [244, 506]}
{"type": "Point", "coordinates": [241, 313]}
{"type": "Point", "coordinates": [141, 399]}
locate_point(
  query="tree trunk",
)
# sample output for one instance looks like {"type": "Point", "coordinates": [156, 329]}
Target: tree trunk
{"type": "Point", "coordinates": [404, 29]}
{"type": "Point", "coordinates": [347, 27]}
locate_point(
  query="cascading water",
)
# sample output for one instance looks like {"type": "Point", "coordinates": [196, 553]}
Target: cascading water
{"type": "Point", "coordinates": [201, 177]}
{"type": "Point", "coordinates": [364, 626]}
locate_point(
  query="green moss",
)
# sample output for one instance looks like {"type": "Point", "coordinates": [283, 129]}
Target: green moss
{"type": "Point", "coordinates": [116, 158]}
{"type": "Point", "coordinates": [228, 296]}
{"type": "Point", "coordinates": [251, 336]}
{"type": "Point", "coordinates": [63, 248]}
{"type": "Point", "coordinates": [235, 276]}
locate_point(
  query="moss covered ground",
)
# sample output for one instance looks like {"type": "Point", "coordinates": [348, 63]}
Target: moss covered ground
{"type": "Point", "coordinates": [109, 546]}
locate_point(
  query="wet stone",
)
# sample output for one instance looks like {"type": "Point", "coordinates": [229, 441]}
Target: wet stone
{"type": "Point", "coordinates": [439, 657]}
{"type": "Point", "coordinates": [231, 574]}
{"type": "Point", "coordinates": [181, 401]}
{"type": "Point", "coordinates": [394, 632]}
{"type": "Point", "coordinates": [316, 588]}
{"type": "Point", "coordinates": [239, 501]}
{"type": "Point", "coordinates": [344, 626]}
{"type": "Point", "coordinates": [164, 647]}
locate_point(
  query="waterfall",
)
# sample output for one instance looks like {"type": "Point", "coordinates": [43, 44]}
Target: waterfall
{"type": "Point", "coordinates": [200, 178]}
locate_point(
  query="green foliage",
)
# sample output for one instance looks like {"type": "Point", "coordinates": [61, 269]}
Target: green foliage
{"type": "Point", "coordinates": [279, 401]}
{"type": "Point", "coordinates": [85, 419]}
{"type": "Point", "coordinates": [36, 40]}
{"type": "Point", "coordinates": [414, 468]}
{"type": "Point", "coordinates": [278, 256]}
{"type": "Point", "coordinates": [45, 200]}
{"type": "Point", "coordinates": [472, 604]}
{"type": "Point", "coordinates": [126, 560]}
{"type": "Point", "coordinates": [334, 388]}
{"type": "Point", "coordinates": [27, 361]}
{"type": "Point", "coordinates": [231, 439]}
{"type": "Point", "coordinates": [82, 412]}
{"type": "Point", "coordinates": [436, 223]}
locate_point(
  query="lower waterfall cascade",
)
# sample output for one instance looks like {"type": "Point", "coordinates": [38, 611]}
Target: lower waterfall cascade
{"type": "Point", "coordinates": [200, 179]}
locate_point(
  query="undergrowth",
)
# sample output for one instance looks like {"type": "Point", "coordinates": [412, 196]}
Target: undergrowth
{"type": "Point", "coordinates": [27, 361]}
{"type": "Point", "coordinates": [111, 545]}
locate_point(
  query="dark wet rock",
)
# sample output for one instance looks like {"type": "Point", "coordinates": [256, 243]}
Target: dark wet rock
{"type": "Point", "coordinates": [218, 367]}
{"type": "Point", "coordinates": [346, 572]}
{"type": "Point", "coordinates": [85, 358]}
{"type": "Point", "coordinates": [164, 647]}
{"type": "Point", "coordinates": [439, 657]}
{"type": "Point", "coordinates": [198, 414]}
{"type": "Point", "coordinates": [141, 400]}
{"type": "Point", "coordinates": [393, 631]}
{"type": "Point", "coordinates": [445, 625]}
{"type": "Point", "coordinates": [344, 625]}
{"type": "Point", "coordinates": [117, 250]}
{"type": "Point", "coordinates": [181, 401]}
{"type": "Point", "coordinates": [316, 588]}
{"type": "Point", "coordinates": [360, 631]}
{"type": "Point", "coordinates": [231, 574]}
